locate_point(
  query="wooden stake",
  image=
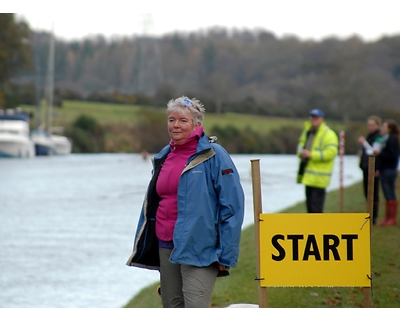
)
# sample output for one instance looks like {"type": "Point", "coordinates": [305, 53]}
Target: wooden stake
{"type": "Point", "coordinates": [257, 206]}
{"type": "Point", "coordinates": [370, 208]}
{"type": "Point", "coordinates": [370, 190]}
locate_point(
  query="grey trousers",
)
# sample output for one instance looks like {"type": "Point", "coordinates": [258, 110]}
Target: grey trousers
{"type": "Point", "coordinates": [184, 286]}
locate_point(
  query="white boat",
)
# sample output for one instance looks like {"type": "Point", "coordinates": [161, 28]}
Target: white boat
{"type": "Point", "coordinates": [62, 144]}
{"type": "Point", "coordinates": [47, 144]}
{"type": "Point", "coordinates": [14, 136]}
{"type": "Point", "coordinates": [44, 145]}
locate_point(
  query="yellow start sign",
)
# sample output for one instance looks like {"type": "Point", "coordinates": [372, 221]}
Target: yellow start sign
{"type": "Point", "coordinates": [310, 250]}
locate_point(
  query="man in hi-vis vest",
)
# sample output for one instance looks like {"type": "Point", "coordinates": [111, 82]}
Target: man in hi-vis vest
{"type": "Point", "coordinates": [317, 149]}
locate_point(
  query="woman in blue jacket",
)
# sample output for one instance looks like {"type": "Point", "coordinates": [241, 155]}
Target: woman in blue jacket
{"type": "Point", "coordinates": [190, 223]}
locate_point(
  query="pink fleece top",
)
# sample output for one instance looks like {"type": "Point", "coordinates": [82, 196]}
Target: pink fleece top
{"type": "Point", "coordinates": [167, 184]}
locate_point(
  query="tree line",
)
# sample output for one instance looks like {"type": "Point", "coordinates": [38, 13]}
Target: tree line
{"type": "Point", "coordinates": [242, 71]}
{"type": "Point", "coordinates": [247, 71]}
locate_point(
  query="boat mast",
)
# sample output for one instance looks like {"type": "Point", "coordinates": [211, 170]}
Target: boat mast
{"type": "Point", "coordinates": [50, 84]}
{"type": "Point", "coordinates": [38, 98]}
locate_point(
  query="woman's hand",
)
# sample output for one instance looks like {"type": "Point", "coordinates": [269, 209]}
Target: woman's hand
{"type": "Point", "coordinates": [361, 139]}
{"type": "Point", "coordinates": [223, 268]}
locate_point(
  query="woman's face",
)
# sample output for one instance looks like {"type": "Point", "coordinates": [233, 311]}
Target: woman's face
{"type": "Point", "coordinates": [384, 128]}
{"type": "Point", "coordinates": [180, 126]}
{"type": "Point", "coordinates": [372, 126]}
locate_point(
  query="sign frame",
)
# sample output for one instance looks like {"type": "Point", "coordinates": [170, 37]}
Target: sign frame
{"type": "Point", "coordinates": [315, 250]}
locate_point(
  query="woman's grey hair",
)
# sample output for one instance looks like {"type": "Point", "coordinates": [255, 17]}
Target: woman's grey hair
{"type": "Point", "coordinates": [192, 107]}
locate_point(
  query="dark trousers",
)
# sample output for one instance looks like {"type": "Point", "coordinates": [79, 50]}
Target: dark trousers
{"type": "Point", "coordinates": [315, 199]}
{"type": "Point", "coordinates": [388, 180]}
{"type": "Point", "coordinates": [375, 211]}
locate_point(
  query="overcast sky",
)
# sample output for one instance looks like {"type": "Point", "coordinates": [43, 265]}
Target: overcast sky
{"type": "Point", "coordinates": [306, 19]}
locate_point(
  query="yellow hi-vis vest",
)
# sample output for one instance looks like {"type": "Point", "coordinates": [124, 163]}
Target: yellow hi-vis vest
{"type": "Point", "coordinates": [324, 149]}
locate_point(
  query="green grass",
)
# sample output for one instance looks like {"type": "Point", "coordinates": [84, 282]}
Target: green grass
{"type": "Point", "coordinates": [240, 286]}
{"type": "Point", "coordinates": [104, 113]}
{"type": "Point", "coordinates": [123, 114]}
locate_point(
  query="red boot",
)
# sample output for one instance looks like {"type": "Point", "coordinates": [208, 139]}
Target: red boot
{"type": "Point", "coordinates": [387, 214]}
{"type": "Point", "coordinates": [393, 213]}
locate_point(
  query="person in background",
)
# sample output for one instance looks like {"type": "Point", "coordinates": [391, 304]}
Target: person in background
{"type": "Point", "coordinates": [388, 161]}
{"type": "Point", "coordinates": [190, 223]}
{"type": "Point", "coordinates": [317, 149]}
{"type": "Point", "coordinates": [371, 145]}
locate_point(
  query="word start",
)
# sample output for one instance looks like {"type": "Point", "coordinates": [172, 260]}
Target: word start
{"type": "Point", "coordinates": [329, 246]}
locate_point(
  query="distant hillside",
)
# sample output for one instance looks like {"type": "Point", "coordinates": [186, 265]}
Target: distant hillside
{"type": "Point", "coordinates": [251, 72]}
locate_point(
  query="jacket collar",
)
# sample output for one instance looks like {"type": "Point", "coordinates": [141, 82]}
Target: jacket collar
{"type": "Point", "coordinates": [191, 141]}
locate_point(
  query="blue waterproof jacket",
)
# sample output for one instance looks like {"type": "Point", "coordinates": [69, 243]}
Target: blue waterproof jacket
{"type": "Point", "coordinates": [210, 211]}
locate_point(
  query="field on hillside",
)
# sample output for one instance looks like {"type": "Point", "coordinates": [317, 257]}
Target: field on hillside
{"type": "Point", "coordinates": [133, 128]}
{"type": "Point", "coordinates": [121, 114]}
{"type": "Point", "coordinates": [104, 113]}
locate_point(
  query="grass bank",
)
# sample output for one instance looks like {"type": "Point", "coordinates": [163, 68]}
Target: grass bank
{"type": "Point", "coordinates": [240, 286]}
{"type": "Point", "coordinates": [109, 114]}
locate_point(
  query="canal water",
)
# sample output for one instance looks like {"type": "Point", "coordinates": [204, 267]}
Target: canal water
{"type": "Point", "coordinates": [67, 223]}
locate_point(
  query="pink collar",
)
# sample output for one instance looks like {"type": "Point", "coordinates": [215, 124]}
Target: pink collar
{"type": "Point", "coordinates": [190, 141]}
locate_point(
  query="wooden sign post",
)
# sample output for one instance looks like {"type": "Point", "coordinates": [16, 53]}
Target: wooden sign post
{"type": "Point", "coordinates": [370, 209]}
{"type": "Point", "coordinates": [257, 207]}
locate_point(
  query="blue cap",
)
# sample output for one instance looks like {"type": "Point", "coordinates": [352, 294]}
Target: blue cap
{"type": "Point", "coordinates": [316, 113]}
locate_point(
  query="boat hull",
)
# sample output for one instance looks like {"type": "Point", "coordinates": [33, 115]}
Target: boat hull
{"type": "Point", "coordinates": [14, 137]}
{"type": "Point", "coordinates": [43, 144]}
{"type": "Point", "coordinates": [16, 149]}
{"type": "Point", "coordinates": [46, 144]}
{"type": "Point", "coordinates": [62, 145]}
{"type": "Point", "coordinates": [44, 150]}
